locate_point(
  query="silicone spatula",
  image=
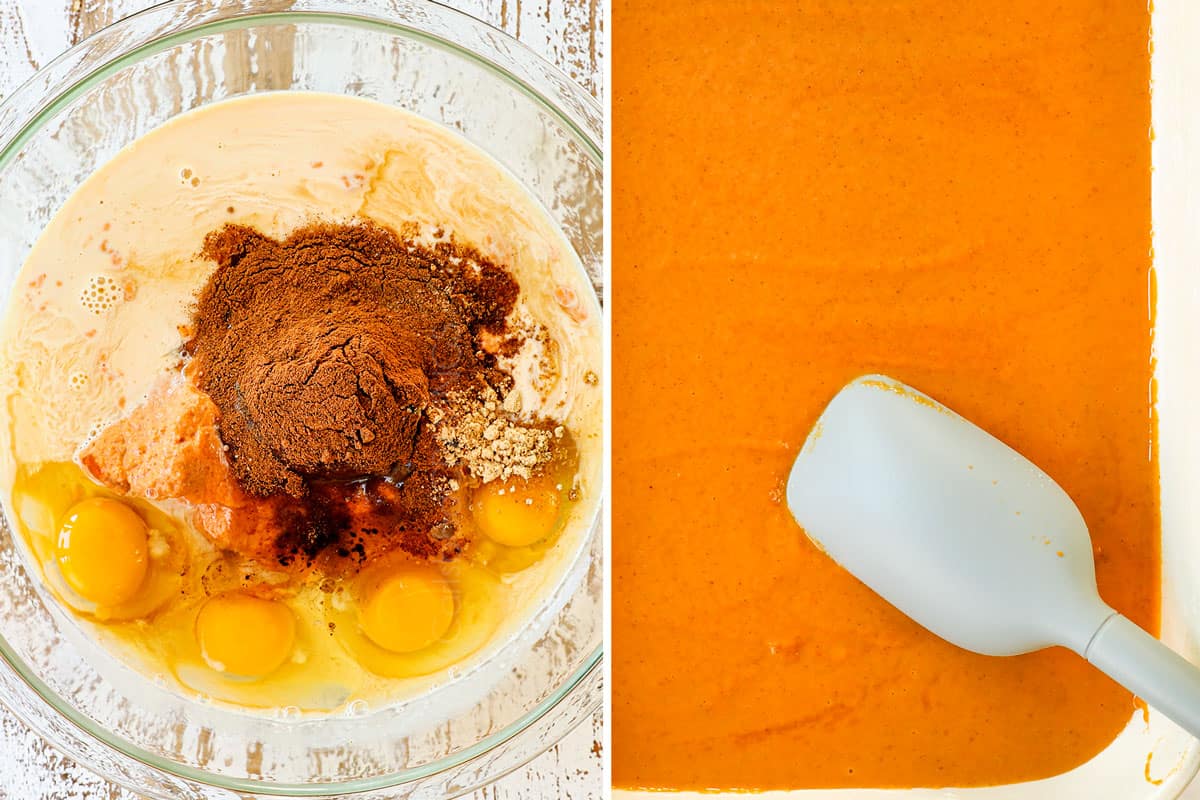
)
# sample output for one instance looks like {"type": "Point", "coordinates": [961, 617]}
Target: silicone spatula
{"type": "Point", "coordinates": [963, 534]}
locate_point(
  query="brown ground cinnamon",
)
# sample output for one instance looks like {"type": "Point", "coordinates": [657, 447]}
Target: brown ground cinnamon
{"type": "Point", "coordinates": [323, 353]}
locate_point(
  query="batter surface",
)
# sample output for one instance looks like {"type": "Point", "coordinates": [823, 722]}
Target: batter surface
{"type": "Point", "coordinates": [958, 196]}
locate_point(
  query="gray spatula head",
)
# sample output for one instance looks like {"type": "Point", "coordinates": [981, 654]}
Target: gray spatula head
{"type": "Point", "coordinates": [948, 523]}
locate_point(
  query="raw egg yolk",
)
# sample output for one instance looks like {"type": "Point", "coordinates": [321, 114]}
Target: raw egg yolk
{"type": "Point", "coordinates": [516, 513]}
{"type": "Point", "coordinates": [102, 551]}
{"type": "Point", "coordinates": [407, 610]}
{"type": "Point", "coordinates": [245, 636]}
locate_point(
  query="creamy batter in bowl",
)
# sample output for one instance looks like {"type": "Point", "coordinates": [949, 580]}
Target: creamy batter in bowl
{"type": "Point", "coordinates": [73, 118]}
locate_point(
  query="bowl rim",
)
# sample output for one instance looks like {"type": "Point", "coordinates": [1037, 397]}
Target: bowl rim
{"type": "Point", "coordinates": [270, 789]}
{"type": "Point", "coordinates": [241, 20]}
{"type": "Point", "coordinates": [29, 121]}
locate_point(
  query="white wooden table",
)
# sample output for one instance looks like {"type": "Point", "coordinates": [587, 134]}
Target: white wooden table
{"type": "Point", "coordinates": [569, 33]}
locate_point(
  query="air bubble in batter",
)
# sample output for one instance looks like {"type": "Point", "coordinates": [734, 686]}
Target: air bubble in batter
{"type": "Point", "coordinates": [101, 293]}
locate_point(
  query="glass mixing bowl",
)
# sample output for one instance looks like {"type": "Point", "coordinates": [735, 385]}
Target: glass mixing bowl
{"type": "Point", "coordinates": [77, 113]}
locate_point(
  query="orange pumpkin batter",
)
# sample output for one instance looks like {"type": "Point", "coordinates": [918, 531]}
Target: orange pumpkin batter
{"type": "Point", "coordinates": [955, 194]}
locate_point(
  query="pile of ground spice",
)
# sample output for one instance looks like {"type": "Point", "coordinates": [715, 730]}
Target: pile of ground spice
{"type": "Point", "coordinates": [322, 351]}
{"type": "Point", "coordinates": [326, 354]}
{"type": "Point", "coordinates": [490, 442]}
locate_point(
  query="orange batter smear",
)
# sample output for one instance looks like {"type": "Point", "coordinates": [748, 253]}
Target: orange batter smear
{"type": "Point", "coordinates": [954, 195]}
{"type": "Point", "coordinates": [169, 448]}
{"type": "Point", "coordinates": [1149, 779]}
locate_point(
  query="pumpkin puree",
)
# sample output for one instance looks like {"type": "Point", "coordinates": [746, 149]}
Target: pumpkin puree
{"type": "Point", "coordinates": [957, 195]}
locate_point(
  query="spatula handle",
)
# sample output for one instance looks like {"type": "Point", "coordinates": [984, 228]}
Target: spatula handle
{"type": "Point", "coordinates": [1148, 668]}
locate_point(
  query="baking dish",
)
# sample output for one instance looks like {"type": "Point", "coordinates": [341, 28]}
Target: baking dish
{"type": "Point", "coordinates": [1152, 759]}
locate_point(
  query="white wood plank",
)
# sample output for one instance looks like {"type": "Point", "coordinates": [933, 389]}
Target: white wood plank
{"type": "Point", "coordinates": [568, 33]}
{"type": "Point", "coordinates": [29, 37]}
